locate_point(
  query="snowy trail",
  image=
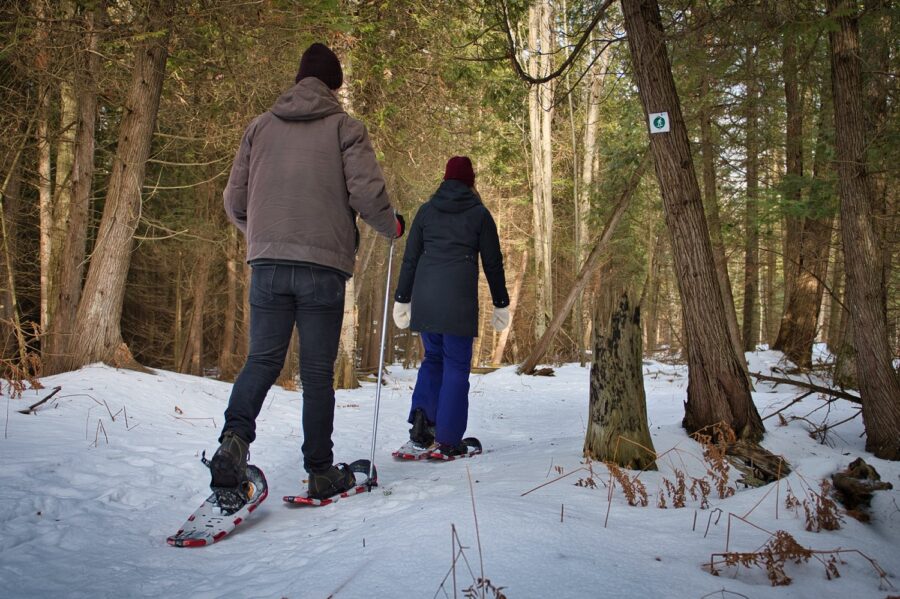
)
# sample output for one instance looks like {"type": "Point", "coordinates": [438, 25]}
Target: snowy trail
{"type": "Point", "coordinates": [90, 520]}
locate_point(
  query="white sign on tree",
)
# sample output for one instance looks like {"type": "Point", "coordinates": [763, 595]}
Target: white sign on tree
{"type": "Point", "coordinates": [659, 122]}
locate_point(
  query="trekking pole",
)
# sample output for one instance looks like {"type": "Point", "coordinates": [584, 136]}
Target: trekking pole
{"type": "Point", "coordinates": [384, 325]}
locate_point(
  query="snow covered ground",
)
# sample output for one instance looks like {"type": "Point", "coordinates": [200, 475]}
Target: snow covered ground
{"type": "Point", "coordinates": [93, 483]}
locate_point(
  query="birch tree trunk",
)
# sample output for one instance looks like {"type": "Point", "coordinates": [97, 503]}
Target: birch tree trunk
{"type": "Point", "coordinates": [97, 333]}
{"type": "Point", "coordinates": [540, 110]}
{"type": "Point", "coordinates": [879, 385]}
{"type": "Point", "coordinates": [589, 167]}
{"type": "Point", "coordinates": [718, 388]}
{"type": "Point", "coordinates": [617, 429]}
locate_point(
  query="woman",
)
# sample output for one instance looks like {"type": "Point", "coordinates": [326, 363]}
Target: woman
{"type": "Point", "coordinates": [437, 295]}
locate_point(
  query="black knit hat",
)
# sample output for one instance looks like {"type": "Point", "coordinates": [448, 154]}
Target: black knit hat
{"type": "Point", "coordinates": [320, 62]}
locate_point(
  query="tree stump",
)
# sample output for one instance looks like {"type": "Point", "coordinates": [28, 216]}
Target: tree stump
{"type": "Point", "coordinates": [617, 427]}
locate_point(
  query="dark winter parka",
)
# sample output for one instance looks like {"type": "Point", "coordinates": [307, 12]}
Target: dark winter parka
{"type": "Point", "coordinates": [440, 266]}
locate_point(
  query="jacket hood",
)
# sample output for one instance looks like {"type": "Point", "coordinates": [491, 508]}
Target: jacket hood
{"type": "Point", "coordinates": [455, 196]}
{"type": "Point", "coordinates": [308, 100]}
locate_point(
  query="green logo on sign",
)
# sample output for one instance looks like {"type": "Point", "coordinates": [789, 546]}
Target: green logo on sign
{"type": "Point", "coordinates": [659, 122]}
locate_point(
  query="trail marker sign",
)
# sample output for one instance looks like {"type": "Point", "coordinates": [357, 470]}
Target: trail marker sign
{"type": "Point", "coordinates": [659, 122]}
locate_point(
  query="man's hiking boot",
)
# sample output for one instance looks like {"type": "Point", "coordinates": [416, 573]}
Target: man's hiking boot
{"type": "Point", "coordinates": [333, 481]}
{"type": "Point", "coordinates": [229, 471]}
{"type": "Point", "coordinates": [421, 433]}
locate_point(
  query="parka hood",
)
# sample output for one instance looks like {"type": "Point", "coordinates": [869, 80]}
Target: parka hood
{"type": "Point", "coordinates": [455, 196]}
{"type": "Point", "coordinates": [308, 100]}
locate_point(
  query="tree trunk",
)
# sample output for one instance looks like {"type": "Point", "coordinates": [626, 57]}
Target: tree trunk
{"type": "Point", "coordinates": [718, 387]}
{"type": "Point", "coordinates": [581, 281]}
{"type": "Point", "coordinates": [714, 222]}
{"type": "Point", "coordinates": [497, 359]}
{"type": "Point", "coordinates": [192, 358]}
{"type": "Point", "coordinates": [876, 58]}
{"type": "Point", "coordinates": [44, 169]}
{"type": "Point", "coordinates": [586, 188]}
{"type": "Point", "coordinates": [10, 208]}
{"type": "Point", "coordinates": [793, 180]}
{"type": "Point", "coordinates": [345, 376]}
{"type": "Point", "coordinates": [617, 428]}
{"type": "Point", "coordinates": [97, 333]}
{"type": "Point", "coordinates": [798, 325]}
{"type": "Point", "coordinates": [651, 302]}
{"type": "Point", "coordinates": [178, 327]}
{"type": "Point", "coordinates": [290, 370]}
{"type": "Point", "coordinates": [879, 384]}
{"type": "Point", "coordinates": [540, 109]}
{"type": "Point", "coordinates": [243, 337]}
{"type": "Point", "coordinates": [74, 244]}
{"type": "Point", "coordinates": [227, 362]}
{"type": "Point", "coordinates": [770, 329]}
{"type": "Point", "coordinates": [750, 329]}
{"type": "Point", "coordinates": [61, 207]}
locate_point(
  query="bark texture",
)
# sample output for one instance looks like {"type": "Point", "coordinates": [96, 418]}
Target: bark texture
{"type": "Point", "coordinates": [878, 382]}
{"type": "Point", "coordinates": [718, 388]}
{"type": "Point", "coordinates": [617, 429]}
{"type": "Point", "coordinates": [714, 222]}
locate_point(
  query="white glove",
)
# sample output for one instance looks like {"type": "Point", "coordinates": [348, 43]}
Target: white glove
{"type": "Point", "coordinates": [500, 319]}
{"type": "Point", "coordinates": [401, 314]}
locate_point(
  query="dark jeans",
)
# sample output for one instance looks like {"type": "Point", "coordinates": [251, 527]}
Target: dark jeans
{"type": "Point", "coordinates": [442, 386]}
{"type": "Point", "coordinates": [280, 297]}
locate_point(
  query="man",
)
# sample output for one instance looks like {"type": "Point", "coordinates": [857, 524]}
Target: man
{"type": "Point", "coordinates": [303, 171]}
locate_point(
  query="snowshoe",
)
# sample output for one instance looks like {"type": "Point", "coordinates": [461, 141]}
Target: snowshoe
{"type": "Point", "coordinates": [361, 483]}
{"type": "Point", "coordinates": [412, 451]}
{"type": "Point", "coordinates": [466, 448]}
{"type": "Point", "coordinates": [212, 521]}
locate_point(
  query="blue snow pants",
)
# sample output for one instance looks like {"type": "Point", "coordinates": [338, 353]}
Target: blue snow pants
{"type": "Point", "coordinates": [442, 387]}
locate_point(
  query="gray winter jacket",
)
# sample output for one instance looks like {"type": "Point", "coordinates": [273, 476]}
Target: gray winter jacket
{"type": "Point", "coordinates": [303, 171]}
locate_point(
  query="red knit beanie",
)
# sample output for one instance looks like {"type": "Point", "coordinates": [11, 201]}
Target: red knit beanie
{"type": "Point", "coordinates": [320, 62]}
{"type": "Point", "coordinates": [460, 168]}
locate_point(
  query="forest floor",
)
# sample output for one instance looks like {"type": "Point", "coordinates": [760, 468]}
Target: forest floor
{"type": "Point", "coordinates": [94, 481]}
